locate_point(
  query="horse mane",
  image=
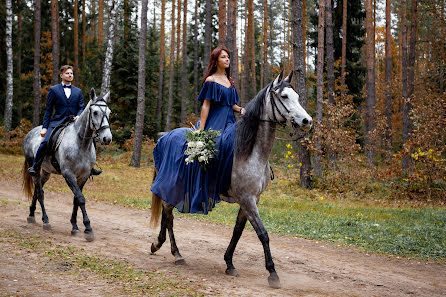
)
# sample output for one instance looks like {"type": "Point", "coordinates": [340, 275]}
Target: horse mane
{"type": "Point", "coordinates": [247, 126]}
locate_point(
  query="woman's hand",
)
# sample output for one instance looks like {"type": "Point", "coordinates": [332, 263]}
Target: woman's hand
{"type": "Point", "coordinates": [43, 132]}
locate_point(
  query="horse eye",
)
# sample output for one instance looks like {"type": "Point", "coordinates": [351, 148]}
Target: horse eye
{"type": "Point", "coordinates": [95, 113]}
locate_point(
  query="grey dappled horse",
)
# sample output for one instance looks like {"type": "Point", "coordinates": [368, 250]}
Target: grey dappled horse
{"type": "Point", "coordinates": [277, 104]}
{"type": "Point", "coordinates": [76, 156]}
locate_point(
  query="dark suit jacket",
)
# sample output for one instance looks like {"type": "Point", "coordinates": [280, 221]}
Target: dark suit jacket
{"type": "Point", "coordinates": [63, 107]}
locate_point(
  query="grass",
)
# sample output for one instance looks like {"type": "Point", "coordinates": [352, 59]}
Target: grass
{"type": "Point", "coordinates": [133, 281]}
{"type": "Point", "coordinates": [361, 217]}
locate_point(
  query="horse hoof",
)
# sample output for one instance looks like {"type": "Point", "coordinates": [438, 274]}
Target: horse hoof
{"type": "Point", "coordinates": [153, 248]}
{"type": "Point", "coordinates": [31, 220]}
{"type": "Point", "coordinates": [75, 232]}
{"type": "Point", "coordinates": [180, 261]}
{"type": "Point", "coordinates": [231, 272]}
{"type": "Point", "coordinates": [274, 281]}
{"type": "Point", "coordinates": [89, 236]}
{"type": "Point", "coordinates": [46, 226]}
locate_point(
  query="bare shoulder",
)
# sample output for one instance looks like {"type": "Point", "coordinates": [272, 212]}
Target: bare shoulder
{"type": "Point", "coordinates": [210, 78]}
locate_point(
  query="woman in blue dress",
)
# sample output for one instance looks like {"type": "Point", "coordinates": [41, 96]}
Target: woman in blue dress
{"type": "Point", "coordinates": [188, 187]}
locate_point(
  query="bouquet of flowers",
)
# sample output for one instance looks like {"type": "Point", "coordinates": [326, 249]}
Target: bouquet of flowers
{"type": "Point", "coordinates": [201, 146]}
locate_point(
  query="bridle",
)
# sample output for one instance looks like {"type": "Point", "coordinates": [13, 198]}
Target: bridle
{"type": "Point", "coordinates": [101, 127]}
{"type": "Point", "coordinates": [274, 106]}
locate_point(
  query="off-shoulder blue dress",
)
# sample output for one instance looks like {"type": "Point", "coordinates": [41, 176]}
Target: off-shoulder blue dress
{"type": "Point", "coordinates": [188, 187]}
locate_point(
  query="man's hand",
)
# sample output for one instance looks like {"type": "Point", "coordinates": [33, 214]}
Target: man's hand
{"type": "Point", "coordinates": [43, 132]}
{"type": "Point", "coordinates": [76, 117]}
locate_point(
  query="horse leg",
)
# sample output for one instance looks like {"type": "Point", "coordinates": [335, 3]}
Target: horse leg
{"type": "Point", "coordinates": [162, 235]}
{"type": "Point", "coordinates": [75, 229]}
{"type": "Point", "coordinates": [238, 230]}
{"type": "Point", "coordinates": [252, 213]}
{"type": "Point", "coordinates": [80, 198]}
{"type": "Point", "coordinates": [179, 260]}
{"type": "Point", "coordinates": [38, 195]}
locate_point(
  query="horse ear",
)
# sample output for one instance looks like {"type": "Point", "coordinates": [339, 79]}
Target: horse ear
{"type": "Point", "coordinates": [278, 79]}
{"type": "Point", "coordinates": [107, 96]}
{"type": "Point", "coordinates": [289, 77]}
{"type": "Point", "coordinates": [92, 94]}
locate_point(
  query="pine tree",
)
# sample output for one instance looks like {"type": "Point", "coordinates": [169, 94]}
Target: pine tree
{"type": "Point", "coordinates": [55, 39]}
{"type": "Point", "coordinates": [76, 42]}
{"type": "Point", "coordinates": [171, 74]}
{"type": "Point", "coordinates": [161, 65]}
{"type": "Point", "coordinates": [36, 84]}
{"type": "Point", "coordinates": [388, 77]}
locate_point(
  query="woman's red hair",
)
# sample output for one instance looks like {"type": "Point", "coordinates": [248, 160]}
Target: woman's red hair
{"type": "Point", "coordinates": [212, 67]}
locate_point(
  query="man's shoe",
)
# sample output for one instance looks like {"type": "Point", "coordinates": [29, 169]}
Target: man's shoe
{"type": "Point", "coordinates": [95, 171]}
{"type": "Point", "coordinates": [32, 171]}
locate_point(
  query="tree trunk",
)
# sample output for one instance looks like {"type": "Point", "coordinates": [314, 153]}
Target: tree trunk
{"type": "Point", "coordinates": [36, 81]}
{"type": "Point", "coordinates": [231, 39]}
{"type": "Point", "coordinates": [299, 69]}
{"type": "Point", "coordinates": [407, 107]}
{"type": "Point", "coordinates": [370, 100]}
{"type": "Point", "coordinates": [330, 53]}
{"type": "Point", "coordinates": [178, 38]}
{"type": "Point", "coordinates": [139, 125]}
{"type": "Point", "coordinates": [320, 84]}
{"type": "Point", "coordinates": [55, 40]}
{"type": "Point", "coordinates": [207, 35]}
{"type": "Point", "coordinates": [195, 93]}
{"type": "Point", "coordinates": [184, 75]}
{"type": "Point", "coordinates": [403, 29]}
{"type": "Point", "coordinates": [344, 47]}
{"type": "Point", "coordinates": [264, 73]}
{"type": "Point", "coordinates": [101, 23]}
{"type": "Point", "coordinates": [9, 69]}
{"type": "Point", "coordinates": [76, 43]}
{"type": "Point", "coordinates": [84, 26]}
{"type": "Point", "coordinates": [105, 87]}
{"type": "Point", "coordinates": [19, 59]}
{"type": "Point", "coordinates": [388, 78]}
{"type": "Point", "coordinates": [93, 20]}
{"type": "Point", "coordinates": [222, 14]}
{"type": "Point", "coordinates": [250, 51]}
{"type": "Point", "coordinates": [126, 19]}
{"type": "Point", "coordinates": [171, 74]}
{"type": "Point", "coordinates": [161, 65]}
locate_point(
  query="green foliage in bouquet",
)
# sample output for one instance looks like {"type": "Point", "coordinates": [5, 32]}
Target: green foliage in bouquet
{"type": "Point", "coordinates": [201, 146]}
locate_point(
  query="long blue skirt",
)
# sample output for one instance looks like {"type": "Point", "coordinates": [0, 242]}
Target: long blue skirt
{"type": "Point", "coordinates": [188, 187]}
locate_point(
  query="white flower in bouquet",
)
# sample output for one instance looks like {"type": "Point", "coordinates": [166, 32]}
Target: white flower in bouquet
{"type": "Point", "coordinates": [201, 159]}
{"type": "Point", "coordinates": [191, 144]}
{"type": "Point", "coordinates": [200, 144]}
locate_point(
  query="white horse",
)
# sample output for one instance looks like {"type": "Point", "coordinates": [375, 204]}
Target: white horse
{"type": "Point", "coordinates": [277, 104]}
{"type": "Point", "coordinates": [76, 155]}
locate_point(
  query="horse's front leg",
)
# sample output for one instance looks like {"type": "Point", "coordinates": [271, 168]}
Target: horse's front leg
{"type": "Point", "coordinates": [238, 230]}
{"type": "Point", "coordinates": [250, 209]}
{"type": "Point", "coordinates": [75, 229]}
{"type": "Point", "coordinates": [72, 183]}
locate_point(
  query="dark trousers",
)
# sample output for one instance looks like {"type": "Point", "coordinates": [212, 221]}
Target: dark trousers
{"type": "Point", "coordinates": [41, 151]}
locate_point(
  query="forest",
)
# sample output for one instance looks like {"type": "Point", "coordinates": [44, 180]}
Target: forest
{"type": "Point", "coordinates": [370, 73]}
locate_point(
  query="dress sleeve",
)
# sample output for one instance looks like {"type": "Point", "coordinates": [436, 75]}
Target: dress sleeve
{"type": "Point", "coordinates": [208, 92]}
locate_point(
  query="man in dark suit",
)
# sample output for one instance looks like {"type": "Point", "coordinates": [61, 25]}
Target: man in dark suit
{"type": "Point", "coordinates": [67, 101]}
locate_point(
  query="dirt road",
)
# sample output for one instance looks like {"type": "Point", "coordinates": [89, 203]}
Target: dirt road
{"type": "Point", "coordinates": [306, 268]}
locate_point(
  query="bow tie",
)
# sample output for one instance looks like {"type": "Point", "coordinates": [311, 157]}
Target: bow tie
{"type": "Point", "coordinates": [67, 86]}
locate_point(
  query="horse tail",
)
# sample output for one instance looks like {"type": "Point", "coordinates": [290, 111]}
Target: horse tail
{"type": "Point", "coordinates": [156, 207]}
{"type": "Point", "coordinates": [27, 181]}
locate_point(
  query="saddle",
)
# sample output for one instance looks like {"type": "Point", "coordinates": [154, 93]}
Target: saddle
{"type": "Point", "coordinates": [54, 141]}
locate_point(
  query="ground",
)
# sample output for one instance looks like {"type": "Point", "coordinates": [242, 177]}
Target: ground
{"type": "Point", "coordinates": [305, 267]}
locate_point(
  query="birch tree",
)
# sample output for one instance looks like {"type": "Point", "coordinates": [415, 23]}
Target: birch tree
{"type": "Point", "coordinates": [105, 87]}
{"type": "Point", "coordinates": [139, 125]}
{"type": "Point", "coordinates": [9, 70]}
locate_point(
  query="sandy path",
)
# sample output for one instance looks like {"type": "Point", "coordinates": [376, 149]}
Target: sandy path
{"type": "Point", "coordinates": [306, 268]}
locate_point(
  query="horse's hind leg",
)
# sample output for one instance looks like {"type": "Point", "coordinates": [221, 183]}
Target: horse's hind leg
{"type": "Point", "coordinates": [179, 260]}
{"type": "Point", "coordinates": [252, 213]}
{"type": "Point", "coordinates": [238, 230]}
{"type": "Point", "coordinates": [39, 182]}
{"type": "Point", "coordinates": [162, 235]}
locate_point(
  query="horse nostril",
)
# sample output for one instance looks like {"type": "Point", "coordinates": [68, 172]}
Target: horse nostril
{"type": "Point", "coordinates": [305, 121]}
{"type": "Point", "coordinates": [104, 140]}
